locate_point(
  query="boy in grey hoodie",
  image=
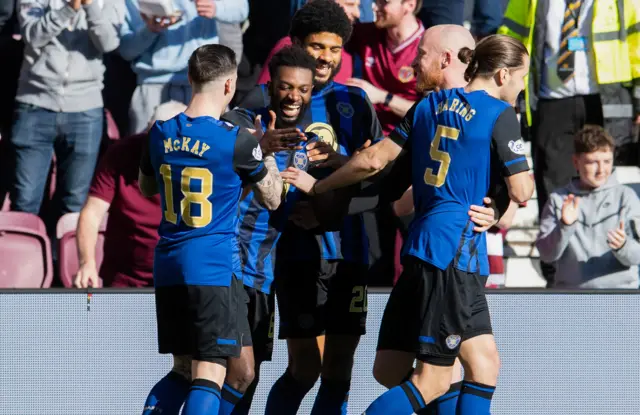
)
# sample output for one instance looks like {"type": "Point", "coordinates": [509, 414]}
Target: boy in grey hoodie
{"type": "Point", "coordinates": [588, 227]}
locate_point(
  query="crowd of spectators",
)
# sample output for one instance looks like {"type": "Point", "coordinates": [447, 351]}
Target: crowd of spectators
{"type": "Point", "coordinates": [79, 74]}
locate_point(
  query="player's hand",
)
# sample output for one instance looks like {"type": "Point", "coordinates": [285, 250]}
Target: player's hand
{"type": "Point", "coordinates": [375, 94]}
{"type": "Point", "coordinates": [570, 210]}
{"type": "Point", "coordinates": [299, 178]}
{"type": "Point", "coordinates": [303, 216]}
{"type": "Point", "coordinates": [279, 139]}
{"type": "Point", "coordinates": [364, 146]}
{"type": "Point", "coordinates": [617, 237]}
{"type": "Point", "coordinates": [157, 24]}
{"type": "Point", "coordinates": [483, 216]}
{"type": "Point", "coordinates": [206, 8]}
{"type": "Point", "coordinates": [324, 153]}
{"type": "Point", "coordinates": [87, 276]}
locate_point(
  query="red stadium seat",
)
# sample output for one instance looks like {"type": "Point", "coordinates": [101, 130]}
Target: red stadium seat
{"type": "Point", "coordinates": [68, 263]}
{"type": "Point", "coordinates": [25, 252]}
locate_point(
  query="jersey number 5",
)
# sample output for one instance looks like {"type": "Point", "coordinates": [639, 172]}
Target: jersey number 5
{"type": "Point", "coordinates": [189, 198]}
{"type": "Point", "coordinates": [440, 156]}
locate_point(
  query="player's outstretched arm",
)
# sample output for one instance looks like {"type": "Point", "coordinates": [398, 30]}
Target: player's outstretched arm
{"type": "Point", "coordinates": [365, 164]}
{"type": "Point", "coordinates": [269, 189]}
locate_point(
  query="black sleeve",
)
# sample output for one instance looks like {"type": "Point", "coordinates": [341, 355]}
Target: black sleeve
{"type": "Point", "coordinates": [145, 159]}
{"type": "Point", "coordinates": [247, 158]}
{"type": "Point", "coordinates": [507, 145]}
{"type": "Point", "coordinates": [371, 122]}
{"type": "Point", "coordinates": [240, 117]}
{"type": "Point", "coordinates": [402, 132]}
{"type": "Point", "coordinates": [258, 97]}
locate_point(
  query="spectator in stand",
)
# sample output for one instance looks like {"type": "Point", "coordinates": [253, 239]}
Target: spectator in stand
{"type": "Point", "coordinates": [345, 70]}
{"type": "Point", "coordinates": [11, 49]}
{"type": "Point", "coordinates": [589, 227]}
{"type": "Point", "coordinates": [159, 48]}
{"type": "Point", "coordinates": [584, 55]}
{"type": "Point", "coordinates": [132, 228]}
{"type": "Point", "coordinates": [387, 49]}
{"type": "Point", "coordinates": [59, 101]}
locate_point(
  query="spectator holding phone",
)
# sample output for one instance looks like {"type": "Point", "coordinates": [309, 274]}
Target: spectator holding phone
{"type": "Point", "coordinates": [159, 48]}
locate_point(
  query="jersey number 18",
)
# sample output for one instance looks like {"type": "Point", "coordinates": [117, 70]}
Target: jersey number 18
{"type": "Point", "coordinates": [189, 198]}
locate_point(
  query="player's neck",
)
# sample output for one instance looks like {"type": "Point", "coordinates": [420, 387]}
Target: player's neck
{"type": "Point", "coordinates": [453, 80]}
{"type": "Point", "coordinates": [487, 85]}
{"type": "Point", "coordinates": [404, 30]}
{"type": "Point", "coordinates": [202, 105]}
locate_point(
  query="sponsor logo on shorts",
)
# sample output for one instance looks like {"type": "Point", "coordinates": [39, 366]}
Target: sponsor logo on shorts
{"type": "Point", "coordinates": [453, 341]}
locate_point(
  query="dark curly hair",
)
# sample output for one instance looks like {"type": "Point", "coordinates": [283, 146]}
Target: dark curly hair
{"type": "Point", "coordinates": [293, 57]}
{"type": "Point", "coordinates": [317, 16]}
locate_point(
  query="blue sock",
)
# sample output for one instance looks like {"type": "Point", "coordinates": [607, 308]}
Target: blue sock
{"type": "Point", "coordinates": [447, 403]}
{"type": "Point", "coordinates": [286, 395]}
{"type": "Point", "coordinates": [401, 400]}
{"type": "Point", "coordinates": [167, 395]}
{"type": "Point", "coordinates": [332, 398]}
{"type": "Point", "coordinates": [243, 407]}
{"type": "Point", "coordinates": [203, 399]}
{"type": "Point", "coordinates": [475, 399]}
{"type": "Point", "coordinates": [230, 398]}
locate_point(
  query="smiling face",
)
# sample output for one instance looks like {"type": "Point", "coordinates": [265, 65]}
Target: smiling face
{"type": "Point", "coordinates": [326, 48]}
{"type": "Point", "coordinates": [594, 168]}
{"type": "Point", "coordinates": [290, 93]}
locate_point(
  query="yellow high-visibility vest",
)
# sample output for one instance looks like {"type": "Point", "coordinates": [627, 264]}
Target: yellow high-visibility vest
{"type": "Point", "coordinates": [616, 47]}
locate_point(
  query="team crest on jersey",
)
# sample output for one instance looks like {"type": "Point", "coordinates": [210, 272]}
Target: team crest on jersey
{"type": "Point", "coordinates": [345, 109]}
{"type": "Point", "coordinates": [406, 74]}
{"type": "Point", "coordinates": [453, 341]}
{"type": "Point", "coordinates": [325, 133]}
{"type": "Point", "coordinates": [517, 146]}
{"type": "Point", "coordinates": [300, 160]}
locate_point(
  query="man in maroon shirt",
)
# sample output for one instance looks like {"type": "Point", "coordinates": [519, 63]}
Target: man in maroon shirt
{"type": "Point", "coordinates": [351, 7]}
{"type": "Point", "coordinates": [387, 49]}
{"type": "Point", "coordinates": [132, 228]}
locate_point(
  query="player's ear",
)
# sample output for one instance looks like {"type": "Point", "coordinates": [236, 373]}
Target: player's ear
{"type": "Point", "coordinates": [227, 86]}
{"type": "Point", "coordinates": [446, 59]}
{"type": "Point", "coordinates": [502, 76]}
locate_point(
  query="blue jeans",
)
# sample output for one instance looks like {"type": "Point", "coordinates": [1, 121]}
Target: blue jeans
{"type": "Point", "coordinates": [37, 133]}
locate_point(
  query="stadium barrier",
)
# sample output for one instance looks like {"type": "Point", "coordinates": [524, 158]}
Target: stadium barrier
{"type": "Point", "coordinates": [65, 352]}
